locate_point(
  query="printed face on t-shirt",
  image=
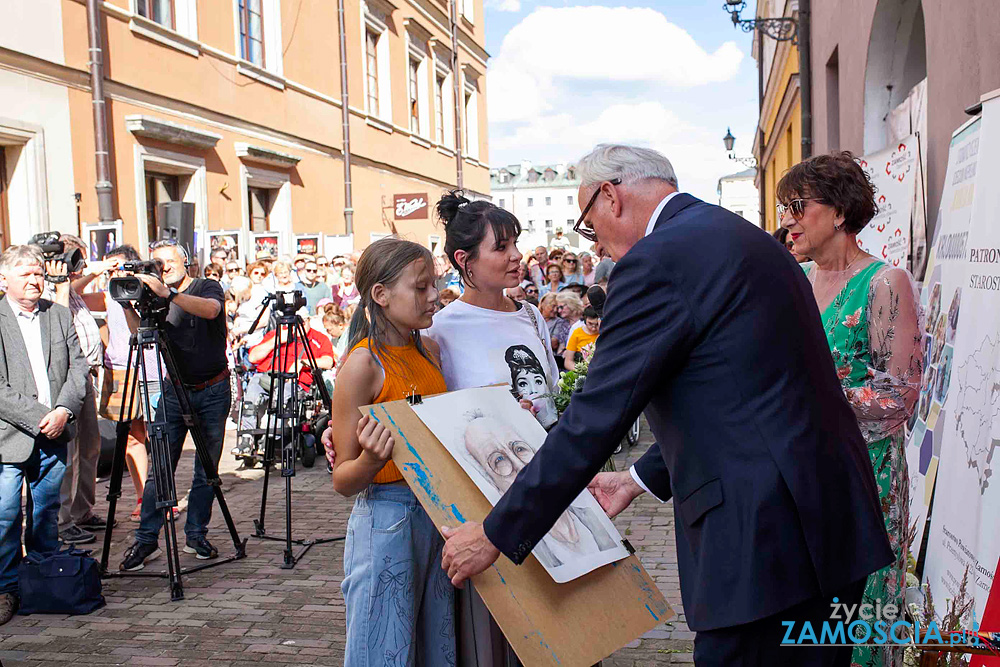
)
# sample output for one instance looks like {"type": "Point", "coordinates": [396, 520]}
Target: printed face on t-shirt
{"type": "Point", "coordinates": [529, 385]}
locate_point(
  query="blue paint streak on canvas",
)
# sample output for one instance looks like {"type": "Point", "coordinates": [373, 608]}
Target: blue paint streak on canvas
{"type": "Point", "coordinates": [541, 642]}
{"type": "Point", "coordinates": [422, 474]}
{"type": "Point", "coordinates": [655, 617]}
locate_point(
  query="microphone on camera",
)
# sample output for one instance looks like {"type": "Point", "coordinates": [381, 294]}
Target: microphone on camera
{"type": "Point", "coordinates": [597, 296]}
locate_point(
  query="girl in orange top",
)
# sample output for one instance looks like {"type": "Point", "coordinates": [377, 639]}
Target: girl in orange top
{"type": "Point", "coordinates": [400, 603]}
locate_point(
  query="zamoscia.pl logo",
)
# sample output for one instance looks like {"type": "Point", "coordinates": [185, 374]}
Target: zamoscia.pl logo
{"type": "Point", "coordinates": [875, 625]}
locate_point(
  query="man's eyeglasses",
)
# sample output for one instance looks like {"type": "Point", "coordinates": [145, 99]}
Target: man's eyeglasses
{"type": "Point", "coordinates": [588, 232]}
{"type": "Point", "coordinates": [531, 290]}
{"type": "Point", "coordinates": [310, 270]}
{"type": "Point", "coordinates": [797, 207]}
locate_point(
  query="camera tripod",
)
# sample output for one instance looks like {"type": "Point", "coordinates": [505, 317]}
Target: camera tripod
{"type": "Point", "coordinates": [283, 425]}
{"type": "Point", "coordinates": [149, 337]}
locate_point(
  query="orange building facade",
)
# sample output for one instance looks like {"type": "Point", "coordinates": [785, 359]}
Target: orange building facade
{"type": "Point", "coordinates": [235, 107]}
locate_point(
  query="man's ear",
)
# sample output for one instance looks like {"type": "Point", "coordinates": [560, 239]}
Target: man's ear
{"type": "Point", "coordinates": [380, 294]}
{"type": "Point", "coordinates": [611, 192]}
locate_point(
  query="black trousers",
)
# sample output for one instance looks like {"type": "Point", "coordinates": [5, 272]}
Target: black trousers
{"type": "Point", "coordinates": [758, 644]}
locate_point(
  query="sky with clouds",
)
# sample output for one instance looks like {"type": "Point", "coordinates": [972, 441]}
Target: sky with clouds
{"type": "Point", "coordinates": [668, 74]}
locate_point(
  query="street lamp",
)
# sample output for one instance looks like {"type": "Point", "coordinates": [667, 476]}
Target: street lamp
{"type": "Point", "coordinates": [779, 29]}
{"type": "Point", "coordinates": [728, 141]}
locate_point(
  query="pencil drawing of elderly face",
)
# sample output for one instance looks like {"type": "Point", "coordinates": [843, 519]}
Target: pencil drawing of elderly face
{"type": "Point", "coordinates": [502, 453]}
{"type": "Point", "coordinates": [494, 439]}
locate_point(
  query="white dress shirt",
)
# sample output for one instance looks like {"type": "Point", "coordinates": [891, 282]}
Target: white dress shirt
{"type": "Point", "coordinates": [649, 230]}
{"type": "Point", "coordinates": [31, 333]}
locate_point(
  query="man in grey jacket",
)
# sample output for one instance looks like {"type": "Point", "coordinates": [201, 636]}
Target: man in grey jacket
{"type": "Point", "coordinates": [43, 377]}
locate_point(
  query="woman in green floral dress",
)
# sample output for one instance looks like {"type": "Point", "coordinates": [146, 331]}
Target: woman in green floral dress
{"type": "Point", "coordinates": [869, 310]}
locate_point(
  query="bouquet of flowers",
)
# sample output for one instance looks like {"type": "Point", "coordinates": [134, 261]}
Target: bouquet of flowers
{"type": "Point", "coordinates": [572, 382]}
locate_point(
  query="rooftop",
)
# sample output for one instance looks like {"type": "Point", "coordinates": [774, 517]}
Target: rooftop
{"type": "Point", "coordinates": [528, 175]}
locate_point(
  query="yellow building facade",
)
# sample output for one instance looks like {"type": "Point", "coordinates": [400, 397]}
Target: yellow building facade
{"type": "Point", "coordinates": [235, 106]}
{"type": "Point", "coordinates": [780, 124]}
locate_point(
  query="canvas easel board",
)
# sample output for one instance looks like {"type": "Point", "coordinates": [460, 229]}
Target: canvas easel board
{"type": "Point", "coordinates": [577, 623]}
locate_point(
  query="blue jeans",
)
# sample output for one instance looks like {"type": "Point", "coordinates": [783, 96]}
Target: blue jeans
{"type": "Point", "coordinates": [44, 473]}
{"type": "Point", "coordinates": [400, 603]}
{"type": "Point", "coordinates": [211, 408]}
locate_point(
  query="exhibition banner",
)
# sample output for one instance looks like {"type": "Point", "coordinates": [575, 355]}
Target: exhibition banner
{"type": "Point", "coordinates": [941, 300]}
{"type": "Point", "coordinates": [894, 173]}
{"type": "Point", "coordinates": [964, 535]}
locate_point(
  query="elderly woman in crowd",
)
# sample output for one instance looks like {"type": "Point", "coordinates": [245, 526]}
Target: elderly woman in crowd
{"type": "Point", "coordinates": [553, 279]}
{"type": "Point", "coordinates": [587, 268]}
{"type": "Point", "coordinates": [870, 314]}
{"type": "Point", "coordinates": [284, 280]}
{"type": "Point", "coordinates": [569, 307]}
{"type": "Point", "coordinates": [571, 269]}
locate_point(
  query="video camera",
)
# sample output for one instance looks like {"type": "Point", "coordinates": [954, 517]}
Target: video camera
{"type": "Point", "coordinates": [289, 303]}
{"type": "Point", "coordinates": [55, 250]}
{"type": "Point", "coordinates": [129, 289]}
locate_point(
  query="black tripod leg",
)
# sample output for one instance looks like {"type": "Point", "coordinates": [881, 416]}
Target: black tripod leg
{"type": "Point", "coordinates": [130, 385]}
{"type": "Point", "coordinates": [173, 557]}
{"type": "Point", "coordinates": [208, 464]}
{"type": "Point", "coordinates": [258, 523]}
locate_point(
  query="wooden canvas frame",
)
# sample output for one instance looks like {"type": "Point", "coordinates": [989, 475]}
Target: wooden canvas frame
{"type": "Point", "coordinates": [577, 623]}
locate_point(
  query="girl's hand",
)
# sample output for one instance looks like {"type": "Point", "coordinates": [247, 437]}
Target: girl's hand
{"type": "Point", "coordinates": [327, 440]}
{"type": "Point", "coordinates": [375, 440]}
{"type": "Point", "coordinates": [529, 406]}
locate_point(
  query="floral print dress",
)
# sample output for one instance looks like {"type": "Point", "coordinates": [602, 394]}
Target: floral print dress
{"type": "Point", "coordinates": [873, 330]}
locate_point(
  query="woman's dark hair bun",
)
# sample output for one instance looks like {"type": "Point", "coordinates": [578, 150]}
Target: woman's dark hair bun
{"type": "Point", "coordinates": [448, 207]}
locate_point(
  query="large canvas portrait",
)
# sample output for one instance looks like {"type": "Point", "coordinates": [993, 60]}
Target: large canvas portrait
{"type": "Point", "coordinates": [493, 438]}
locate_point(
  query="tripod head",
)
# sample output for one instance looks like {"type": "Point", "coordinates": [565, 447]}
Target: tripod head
{"type": "Point", "coordinates": [286, 303]}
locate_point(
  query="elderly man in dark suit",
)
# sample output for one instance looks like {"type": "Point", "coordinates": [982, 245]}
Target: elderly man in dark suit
{"type": "Point", "coordinates": [43, 377]}
{"type": "Point", "coordinates": [712, 330]}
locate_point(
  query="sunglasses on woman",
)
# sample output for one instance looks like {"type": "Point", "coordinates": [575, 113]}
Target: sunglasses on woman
{"type": "Point", "coordinates": [797, 207]}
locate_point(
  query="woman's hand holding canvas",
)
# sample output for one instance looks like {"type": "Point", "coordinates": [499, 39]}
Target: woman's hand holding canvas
{"type": "Point", "coordinates": [493, 438]}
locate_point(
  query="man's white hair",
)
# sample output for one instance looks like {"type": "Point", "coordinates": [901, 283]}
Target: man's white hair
{"type": "Point", "coordinates": [629, 163]}
{"type": "Point", "coordinates": [16, 255]}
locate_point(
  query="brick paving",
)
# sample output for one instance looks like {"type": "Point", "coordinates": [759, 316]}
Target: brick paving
{"type": "Point", "coordinates": [252, 612]}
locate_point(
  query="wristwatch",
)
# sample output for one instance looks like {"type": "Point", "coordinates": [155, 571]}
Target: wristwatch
{"type": "Point", "coordinates": [173, 293]}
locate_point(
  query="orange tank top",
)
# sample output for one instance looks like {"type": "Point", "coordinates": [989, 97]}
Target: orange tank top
{"type": "Point", "coordinates": [408, 373]}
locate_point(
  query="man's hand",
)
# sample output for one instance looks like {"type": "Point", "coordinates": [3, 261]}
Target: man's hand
{"type": "Point", "coordinates": [614, 491]}
{"type": "Point", "coordinates": [467, 552]}
{"type": "Point", "coordinates": [53, 423]}
{"type": "Point", "coordinates": [154, 283]}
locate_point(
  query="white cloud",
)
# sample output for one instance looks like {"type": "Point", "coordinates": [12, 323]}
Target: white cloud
{"type": "Point", "coordinates": [585, 45]}
{"type": "Point", "coordinates": [696, 153]}
{"type": "Point", "coordinates": [504, 5]}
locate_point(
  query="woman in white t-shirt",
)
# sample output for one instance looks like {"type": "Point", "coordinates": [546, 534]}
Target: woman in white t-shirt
{"type": "Point", "coordinates": [488, 338]}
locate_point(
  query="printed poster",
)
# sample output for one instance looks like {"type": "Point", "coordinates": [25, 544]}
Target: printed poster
{"type": "Point", "coordinates": [941, 301]}
{"type": "Point", "coordinates": [964, 535]}
{"type": "Point", "coordinates": [894, 174]}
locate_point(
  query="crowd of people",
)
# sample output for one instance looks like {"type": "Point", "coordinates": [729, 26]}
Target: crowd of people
{"type": "Point", "coordinates": [396, 319]}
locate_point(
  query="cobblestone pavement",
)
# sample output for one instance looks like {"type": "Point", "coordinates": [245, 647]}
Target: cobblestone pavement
{"type": "Point", "coordinates": [252, 612]}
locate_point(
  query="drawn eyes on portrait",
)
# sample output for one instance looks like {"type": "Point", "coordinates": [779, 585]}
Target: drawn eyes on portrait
{"type": "Point", "coordinates": [501, 464]}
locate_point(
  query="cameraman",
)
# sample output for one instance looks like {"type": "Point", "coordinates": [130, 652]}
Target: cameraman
{"type": "Point", "coordinates": [195, 329]}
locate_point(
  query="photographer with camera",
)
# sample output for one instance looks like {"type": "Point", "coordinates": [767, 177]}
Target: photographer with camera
{"type": "Point", "coordinates": [195, 328]}
{"type": "Point", "coordinates": [67, 274]}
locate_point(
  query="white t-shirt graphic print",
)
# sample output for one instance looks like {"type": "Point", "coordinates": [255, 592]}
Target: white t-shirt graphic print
{"type": "Point", "coordinates": [481, 347]}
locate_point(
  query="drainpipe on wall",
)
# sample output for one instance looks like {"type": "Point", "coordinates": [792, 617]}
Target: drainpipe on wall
{"type": "Point", "coordinates": [346, 115]}
{"type": "Point", "coordinates": [456, 84]}
{"type": "Point", "coordinates": [805, 79]}
{"type": "Point", "coordinates": [104, 187]}
{"type": "Point", "coordinates": [760, 128]}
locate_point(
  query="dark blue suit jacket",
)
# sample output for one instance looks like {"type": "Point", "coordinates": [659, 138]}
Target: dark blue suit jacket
{"type": "Point", "coordinates": [711, 328]}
